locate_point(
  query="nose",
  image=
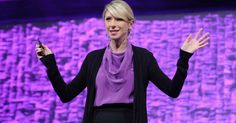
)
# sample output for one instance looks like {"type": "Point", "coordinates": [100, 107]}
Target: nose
{"type": "Point", "coordinates": [113, 23]}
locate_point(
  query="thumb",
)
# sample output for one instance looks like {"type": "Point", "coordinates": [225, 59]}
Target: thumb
{"type": "Point", "coordinates": [46, 49]}
{"type": "Point", "coordinates": [189, 37]}
{"type": "Point", "coordinates": [44, 46]}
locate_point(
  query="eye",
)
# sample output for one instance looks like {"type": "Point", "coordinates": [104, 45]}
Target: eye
{"type": "Point", "coordinates": [108, 18]}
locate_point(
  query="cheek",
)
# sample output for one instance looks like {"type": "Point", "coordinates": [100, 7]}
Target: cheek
{"type": "Point", "coordinates": [106, 25]}
{"type": "Point", "coordinates": [125, 28]}
{"type": "Point", "coordinates": [107, 29]}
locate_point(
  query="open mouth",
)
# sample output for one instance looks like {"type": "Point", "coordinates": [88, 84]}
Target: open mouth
{"type": "Point", "coordinates": [114, 31]}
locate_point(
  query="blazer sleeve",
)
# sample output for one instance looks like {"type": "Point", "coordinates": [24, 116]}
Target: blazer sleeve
{"type": "Point", "coordinates": [171, 87]}
{"type": "Point", "coordinates": [66, 92]}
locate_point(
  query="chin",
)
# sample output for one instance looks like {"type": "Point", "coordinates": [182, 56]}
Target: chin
{"type": "Point", "coordinates": [114, 37]}
{"type": "Point", "coordinates": [118, 37]}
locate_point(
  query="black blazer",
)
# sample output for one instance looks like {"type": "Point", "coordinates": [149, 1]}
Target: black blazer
{"type": "Point", "coordinates": [145, 69]}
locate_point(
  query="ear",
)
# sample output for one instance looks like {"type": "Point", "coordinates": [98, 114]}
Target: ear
{"type": "Point", "coordinates": [131, 24]}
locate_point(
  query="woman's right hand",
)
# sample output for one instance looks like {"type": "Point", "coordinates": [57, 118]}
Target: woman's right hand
{"type": "Point", "coordinates": [43, 49]}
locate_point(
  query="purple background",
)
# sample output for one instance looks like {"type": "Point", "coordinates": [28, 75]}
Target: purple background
{"type": "Point", "coordinates": [208, 95]}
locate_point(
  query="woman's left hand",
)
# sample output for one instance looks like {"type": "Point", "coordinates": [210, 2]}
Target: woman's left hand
{"type": "Point", "coordinates": [192, 44]}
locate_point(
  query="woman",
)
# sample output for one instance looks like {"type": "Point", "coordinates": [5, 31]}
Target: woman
{"type": "Point", "coordinates": [117, 76]}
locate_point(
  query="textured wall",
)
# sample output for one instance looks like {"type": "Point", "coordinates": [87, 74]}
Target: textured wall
{"type": "Point", "coordinates": [208, 95]}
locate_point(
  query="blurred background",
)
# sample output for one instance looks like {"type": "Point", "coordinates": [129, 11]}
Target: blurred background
{"type": "Point", "coordinates": [52, 9]}
{"type": "Point", "coordinates": [74, 28]}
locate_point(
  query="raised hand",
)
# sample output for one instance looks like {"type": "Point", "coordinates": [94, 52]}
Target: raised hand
{"type": "Point", "coordinates": [191, 44]}
{"type": "Point", "coordinates": [42, 50]}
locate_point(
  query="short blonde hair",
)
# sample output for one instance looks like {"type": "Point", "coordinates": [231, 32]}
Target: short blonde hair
{"type": "Point", "coordinates": [119, 9]}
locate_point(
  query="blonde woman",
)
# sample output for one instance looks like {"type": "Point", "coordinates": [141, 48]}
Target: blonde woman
{"type": "Point", "coordinates": [117, 76]}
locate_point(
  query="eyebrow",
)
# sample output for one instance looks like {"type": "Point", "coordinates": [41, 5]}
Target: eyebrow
{"type": "Point", "coordinates": [107, 17]}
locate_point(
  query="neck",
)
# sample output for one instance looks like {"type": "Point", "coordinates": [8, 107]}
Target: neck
{"type": "Point", "coordinates": [118, 46]}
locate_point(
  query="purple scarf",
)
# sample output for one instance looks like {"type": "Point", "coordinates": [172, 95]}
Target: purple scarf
{"type": "Point", "coordinates": [115, 78]}
{"type": "Point", "coordinates": [116, 72]}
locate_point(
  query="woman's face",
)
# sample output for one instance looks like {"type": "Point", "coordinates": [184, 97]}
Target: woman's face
{"type": "Point", "coordinates": [117, 28]}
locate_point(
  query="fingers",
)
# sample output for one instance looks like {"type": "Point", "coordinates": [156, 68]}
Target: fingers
{"type": "Point", "coordinates": [198, 33]}
{"type": "Point", "coordinates": [204, 41]}
{"type": "Point", "coordinates": [189, 37]}
{"type": "Point", "coordinates": [37, 46]}
{"type": "Point", "coordinates": [42, 50]}
{"type": "Point", "coordinates": [38, 50]}
{"type": "Point", "coordinates": [45, 46]}
{"type": "Point", "coordinates": [204, 36]}
{"type": "Point", "coordinates": [203, 45]}
{"type": "Point", "coordinates": [41, 46]}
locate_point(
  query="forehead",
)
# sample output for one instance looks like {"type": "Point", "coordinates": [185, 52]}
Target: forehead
{"type": "Point", "coordinates": [108, 14]}
{"type": "Point", "coordinates": [115, 14]}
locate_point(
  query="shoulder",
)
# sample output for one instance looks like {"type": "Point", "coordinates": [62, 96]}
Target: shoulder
{"type": "Point", "coordinates": [141, 51]}
{"type": "Point", "coordinates": [143, 56]}
{"type": "Point", "coordinates": [95, 53]}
